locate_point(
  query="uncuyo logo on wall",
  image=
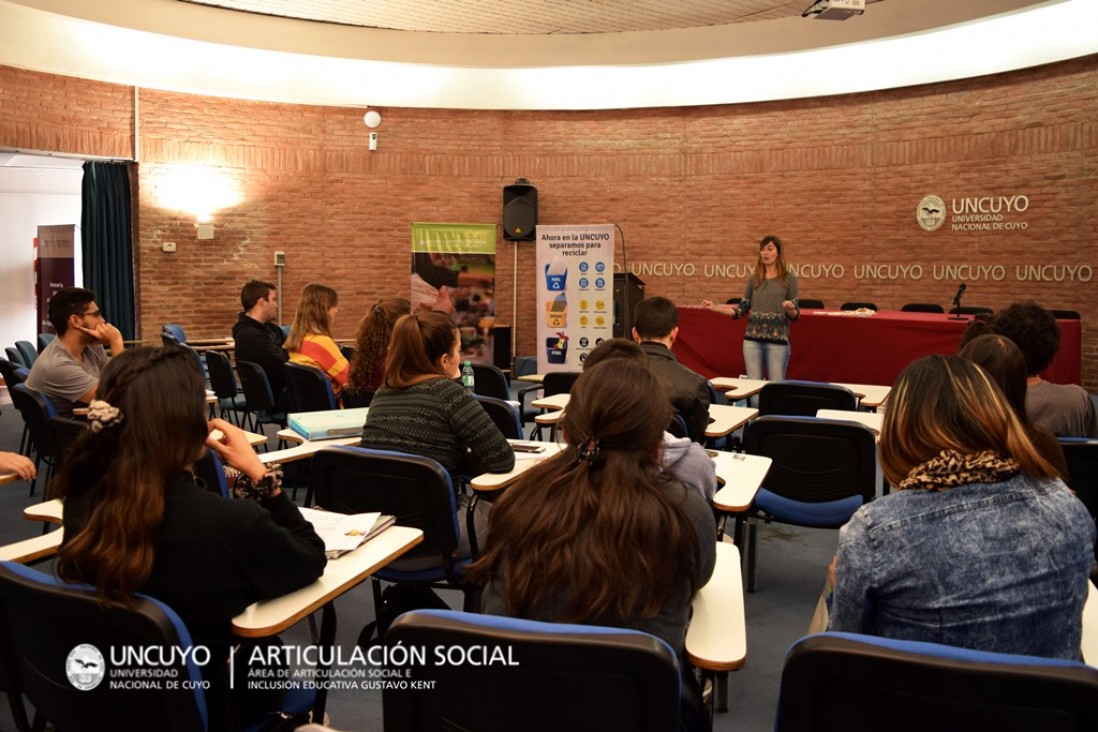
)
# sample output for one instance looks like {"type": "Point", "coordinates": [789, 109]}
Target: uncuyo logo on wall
{"type": "Point", "coordinates": [85, 667]}
{"type": "Point", "coordinates": [931, 213]}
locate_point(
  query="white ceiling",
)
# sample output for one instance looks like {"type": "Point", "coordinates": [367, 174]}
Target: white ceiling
{"type": "Point", "coordinates": [523, 16]}
{"type": "Point", "coordinates": [535, 54]}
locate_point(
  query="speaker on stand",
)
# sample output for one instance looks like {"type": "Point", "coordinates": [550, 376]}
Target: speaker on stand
{"type": "Point", "coordinates": [520, 211]}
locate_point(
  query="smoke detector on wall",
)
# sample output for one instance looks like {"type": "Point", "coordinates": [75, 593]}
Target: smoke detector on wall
{"type": "Point", "coordinates": [834, 9]}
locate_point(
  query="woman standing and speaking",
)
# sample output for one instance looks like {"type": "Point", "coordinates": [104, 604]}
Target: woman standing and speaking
{"type": "Point", "coordinates": [770, 302]}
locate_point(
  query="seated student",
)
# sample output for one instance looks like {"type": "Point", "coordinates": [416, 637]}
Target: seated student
{"type": "Point", "coordinates": [310, 342]}
{"type": "Point", "coordinates": [371, 343]}
{"type": "Point", "coordinates": [137, 521]}
{"type": "Point", "coordinates": [980, 545]}
{"type": "Point", "coordinates": [68, 369]}
{"type": "Point", "coordinates": [1066, 409]}
{"type": "Point", "coordinates": [656, 326]}
{"type": "Point", "coordinates": [421, 409]}
{"type": "Point", "coordinates": [680, 456]}
{"type": "Point", "coordinates": [22, 466]}
{"type": "Point", "coordinates": [257, 338]}
{"type": "Point", "coordinates": [556, 549]}
{"type": "Point", "coordinates": [1004, 363]}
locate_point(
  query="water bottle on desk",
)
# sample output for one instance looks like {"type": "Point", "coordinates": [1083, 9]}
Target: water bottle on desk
{"type": "Point", "coordinates": [468, 380]}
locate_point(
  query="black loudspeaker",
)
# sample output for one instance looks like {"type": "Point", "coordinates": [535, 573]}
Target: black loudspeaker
{"type": "Point", "coordinates": [628, 291]}
{"type": "Point", "coordinates": [520, 211]}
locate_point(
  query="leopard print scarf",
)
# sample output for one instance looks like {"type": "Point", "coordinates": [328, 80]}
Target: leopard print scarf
{"type": "Point", "coordinates": [950, 468]}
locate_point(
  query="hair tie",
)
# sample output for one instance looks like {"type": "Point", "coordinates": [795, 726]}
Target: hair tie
{"type": "Point", "coordinates": [588, 450]}
{"type": "Point", "coordinates": [101, 414]}
{"type": "Point", "coordinates": [377, 310]}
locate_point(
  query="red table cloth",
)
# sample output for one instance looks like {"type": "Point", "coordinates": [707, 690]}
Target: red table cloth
{"type": "Point", "coordinates": [851, 349]}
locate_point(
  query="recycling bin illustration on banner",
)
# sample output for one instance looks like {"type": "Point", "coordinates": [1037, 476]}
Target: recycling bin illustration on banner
{"type": "Point", "coordinates": [556, 311]}
{"type": "Point", "coordinates": [556, 274]}
{"type": "Point", "coordinates": [556, 348]}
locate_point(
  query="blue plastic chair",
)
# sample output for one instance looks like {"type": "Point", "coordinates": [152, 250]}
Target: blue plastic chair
{"type": "Point", "coordinates": [563, 677]}
{"type": "Point", "coordinates": [859, 683]}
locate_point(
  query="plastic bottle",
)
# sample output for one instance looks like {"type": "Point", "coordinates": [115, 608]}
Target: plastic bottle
{"type": "Point", "coordinates": [468, 380]}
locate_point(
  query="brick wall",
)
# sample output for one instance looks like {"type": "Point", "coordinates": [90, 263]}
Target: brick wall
{"type": "Point", "coordinates": [693, 189]}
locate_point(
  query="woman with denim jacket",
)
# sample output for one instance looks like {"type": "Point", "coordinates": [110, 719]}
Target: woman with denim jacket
{"type": "Point", "coordinates": [981, 546]}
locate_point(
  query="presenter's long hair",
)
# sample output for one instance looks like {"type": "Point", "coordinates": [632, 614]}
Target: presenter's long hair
{"type": "Point", "coordinates": [417, 344]}
{"type": "Point", "coordinates": [372, 340]}
{"type": "Point", "coordinates": [122, 471]}
{"type": "Point", "coordinates": [760, 267]}
{"type": "Point", "coordinates": [593, 530]}
{"type": "Point", "coordinates": [949, 403]}
{"type": "Point", "coordinates": [312, 314]}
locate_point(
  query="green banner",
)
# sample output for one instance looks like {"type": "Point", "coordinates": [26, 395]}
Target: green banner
{"type": "Point", "coordinates": [454, 238]}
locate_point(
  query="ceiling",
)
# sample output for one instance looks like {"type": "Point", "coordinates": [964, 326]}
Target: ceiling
{"type": "Point", "coordinates": [535, 54]}
{"type": "Point", "coordinates": [523, 16]}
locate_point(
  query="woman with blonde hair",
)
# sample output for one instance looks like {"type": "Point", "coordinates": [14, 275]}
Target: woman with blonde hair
{"type": "Point", "coordinates": [981, 546]}
{"type": "Point", "coordinates": [372, 341]}
{"type": "Point", "coordinates": [770, 302]}
{"type": "Point", "coordinates": [310, 342]}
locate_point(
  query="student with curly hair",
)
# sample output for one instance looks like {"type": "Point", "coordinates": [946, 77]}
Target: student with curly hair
{"type": "Point", "coordinates": [1066, 409]}
{"type": "Point", "coordinates": [371, 343]}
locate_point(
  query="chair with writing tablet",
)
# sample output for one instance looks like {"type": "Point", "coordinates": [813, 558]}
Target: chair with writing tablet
{"type": "Point", "coordinates": [58, 645]}
{"type": "Point", "coordinates": [415, 489]}
{"type": "Point", "coordinates": [37, 410]}
{"type": "Point", "coordinates": [504, 414]}
{"type": "Point", "coordinates": [258, 394]}
{"type": "Point", "coordinates": [16, 357]}
{"type": "Point", "coordinates": [308, 389]}
{"type": "Point", "coordinates": [555, 382]}
{"type": "Point", "coordinates": [490, 381]}
{"type": "Point", "coordinates": [27, 351]}
{"type": "Point", "coordinates": [804, 398]}
{"type": "Point", "coordinates": [861, 683]}
{"type": "Point", "coordinates": [14, 374]}
{"type": "Point", "coordinates": [542, 676]}
{"type": "Point", "coordinates": [223, 383]}
{"type": "Point", "coordinates": [823, 470]}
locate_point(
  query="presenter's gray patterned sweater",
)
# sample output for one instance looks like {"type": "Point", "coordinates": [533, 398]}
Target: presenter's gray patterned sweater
{"type": "Point", "coordinates": [439, 419]}
{"type": "Point", "coordinates": [767, 320]}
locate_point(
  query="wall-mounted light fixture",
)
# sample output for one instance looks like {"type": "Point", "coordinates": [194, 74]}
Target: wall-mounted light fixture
{"type": "Point", "coordinates": [197, 190]}
{"type": "Point", "coordinates": [372, 119]}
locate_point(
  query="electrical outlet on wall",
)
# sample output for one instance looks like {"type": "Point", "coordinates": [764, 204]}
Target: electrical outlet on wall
{"type": "Point", "coordinates": [280, 259]}
{"type": "Point", "coordinates": [168, 246]}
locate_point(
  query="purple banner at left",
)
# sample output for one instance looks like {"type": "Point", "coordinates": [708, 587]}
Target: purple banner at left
{"type": "Point", "coordinates": [53, 267]}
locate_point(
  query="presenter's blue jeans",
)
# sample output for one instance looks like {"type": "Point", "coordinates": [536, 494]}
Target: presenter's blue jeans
{"type": "Point", "coordinates": [765, 361]}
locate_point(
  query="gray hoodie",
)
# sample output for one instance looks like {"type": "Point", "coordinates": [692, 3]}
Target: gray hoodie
{"type": "Point", "coordinates": [687, 461]}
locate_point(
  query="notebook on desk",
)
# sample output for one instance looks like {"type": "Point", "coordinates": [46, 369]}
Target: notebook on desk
{"type": "Point", "coordinates": [342, 532]}
{"type": "Point", "coordinates": [329, 423]}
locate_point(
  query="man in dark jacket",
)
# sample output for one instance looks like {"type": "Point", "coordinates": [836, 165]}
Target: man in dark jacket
{"type": "Point", "coordinates": [655, 327]}
{"type": "Point", "coordinates": [259, 339]}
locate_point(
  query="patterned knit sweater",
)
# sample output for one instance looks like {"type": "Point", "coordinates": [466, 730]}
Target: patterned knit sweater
{"type": "Point", "coordinates": [439, 419]}
{"type": "Point", "coordinates": [767, 320]}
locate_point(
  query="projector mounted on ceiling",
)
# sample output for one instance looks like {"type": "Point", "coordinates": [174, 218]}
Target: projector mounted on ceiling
{"type": "Point", "coordinates": [834, 9]}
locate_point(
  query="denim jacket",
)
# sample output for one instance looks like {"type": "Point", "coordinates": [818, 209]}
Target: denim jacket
{"type": "Point", "coordinates": [995, 567]}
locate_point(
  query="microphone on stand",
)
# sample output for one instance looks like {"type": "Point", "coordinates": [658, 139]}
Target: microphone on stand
{"type": "Point", "coordinates": [957, 302]}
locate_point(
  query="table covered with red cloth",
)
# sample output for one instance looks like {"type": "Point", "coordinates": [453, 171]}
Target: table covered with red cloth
{"type": "Point", "coordinates": [852, 349]}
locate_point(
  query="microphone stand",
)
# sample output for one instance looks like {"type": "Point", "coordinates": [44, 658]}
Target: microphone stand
{"type": "Point", "coordinates": [957, 306]}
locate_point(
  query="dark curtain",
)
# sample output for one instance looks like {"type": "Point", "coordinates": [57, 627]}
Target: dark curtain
{"type": "Point", "coordinates": [107, 232]}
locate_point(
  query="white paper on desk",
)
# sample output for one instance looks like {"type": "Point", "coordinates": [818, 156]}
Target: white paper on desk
{"type": "Point", "coordinates": [341, 532]}
{"type": "Point", "coordinates": [529, 455]}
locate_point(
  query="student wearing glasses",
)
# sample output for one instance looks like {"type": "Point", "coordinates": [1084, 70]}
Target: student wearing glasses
{"type": "Point", "coordinates": [67, 371]}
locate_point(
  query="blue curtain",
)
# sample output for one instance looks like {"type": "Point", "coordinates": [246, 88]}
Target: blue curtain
{"type": "Point", "coordinates": [106, 228]}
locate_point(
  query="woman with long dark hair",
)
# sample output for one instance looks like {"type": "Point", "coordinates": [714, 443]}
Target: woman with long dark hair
{"type": "Point", "coordinates": [599, 534]}
{"type": "Point", "coordinates": [981, 545]}
{"type": "Point", "coordinates": [136, 519]}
